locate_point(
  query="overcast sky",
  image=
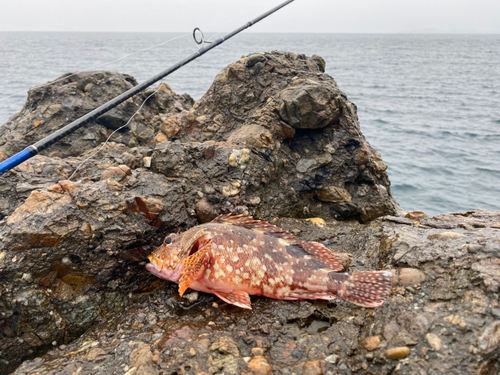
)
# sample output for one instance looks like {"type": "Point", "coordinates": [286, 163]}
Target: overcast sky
{"type": "Point", "coordinates": [352, 16]}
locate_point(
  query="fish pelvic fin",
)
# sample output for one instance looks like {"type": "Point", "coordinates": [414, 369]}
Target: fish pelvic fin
{"type": "Point", "coordinates": [192, 267]}
{"type": "Point", "coordinates": [237, 298]}
{"type": "Point", "coordinates": [366, 289]}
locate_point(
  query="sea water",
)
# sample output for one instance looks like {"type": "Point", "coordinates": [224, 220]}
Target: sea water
{"type": "Point", "coordinates": [429, 103]}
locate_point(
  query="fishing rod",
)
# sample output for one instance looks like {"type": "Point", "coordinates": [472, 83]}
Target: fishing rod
{"type": "Point", "coordinates": [41, 145]}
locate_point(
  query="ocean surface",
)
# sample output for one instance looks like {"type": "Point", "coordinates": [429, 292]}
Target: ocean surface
{"type": "Point", "coordinates": [429, 103]}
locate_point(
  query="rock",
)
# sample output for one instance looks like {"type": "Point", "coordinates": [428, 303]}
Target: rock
{"type": "Point", "coordinates": [309, 106]}
{"type": "Point", "coordinates": [252, 136]}
{"type": "Point", "coordinates": [434, 341]}
{"type": "Point", "coordinates": [334, 194]}
{"type": "Point", "coordinates": [371, 343]}
{"type": "Point", "coordinates": [398, 353]}
{"type": "Point", "coordinates": [416, 215]}
{"type": "Point", "coordinates": [490, 338]}
{"type": "Point", "coordinates": [260, 366]}
{"type": "Point", "coordinates": [443, 236]}
{"type": "Point", "coordinates": [408, 276]}
{"type": "Point", "coordinates": [205, 212]}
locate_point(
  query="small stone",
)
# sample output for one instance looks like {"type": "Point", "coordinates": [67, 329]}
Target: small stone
{"type": "Point", "coordinates": [317, 221]}
{"type": "Point", "coordinates": [160, 138]}
{"type": "Point", "coordinates": [371, 343]}
{"type": "Point", "coordinates": [254, 201]}
{"type": "Point", "coordinates": [191, 297]}
{"type": "Point", "coordinates": [257, 351]}
{"type": "Point", "coordinates": [116, 173]}
{"type": "Point", "coordinates": [434, 341]}
{"type": "Point", "coordinates": [66, 260]}
{"type": "Point", "coordinates": [443, 236]}
{"type": "Point", "coordinates": [408, 276]}
{"type": "Point", "coordinates": [259, 365]}
{"type": "Point", "coordinates": [93, 353]}
{"type": "Point", "coordinates": [334, 358]}
{"type": "Point", "coordinates": [205, 212]}
{"type": "Point", "coordinates": [114, 185]}
{"type": "Point", "coordinates": [147, 161]}
{"type": "Point", "coordinates": [27, 277]}
{"type": "Point", "coordinates": [314, 367]}
{"type": "Point", "coordinates": [334, 194]}
{"type": "Point", "coordinates": [192, 352]}
{"type": "Point", "coordinates": [232, 189]}
{"type": "Point", "coordinates": [490, 338]}
{"type": "Point", "coordinates": [398, 353]}
{"type": "Point", "coordinates": [36, 124]}
{"type": "Point", "coordinates": [416, 215]}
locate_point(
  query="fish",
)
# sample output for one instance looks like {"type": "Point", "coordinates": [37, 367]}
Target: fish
{"type": "Point", "coordinates": [235, 256]}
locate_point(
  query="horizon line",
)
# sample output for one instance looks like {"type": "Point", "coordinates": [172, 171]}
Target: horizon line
{"type": "Point", "coordinates": [436, 32]}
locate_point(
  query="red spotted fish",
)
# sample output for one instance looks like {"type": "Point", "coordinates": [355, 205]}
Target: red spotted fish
{"type": "Point", "coordinates": [234, 257]}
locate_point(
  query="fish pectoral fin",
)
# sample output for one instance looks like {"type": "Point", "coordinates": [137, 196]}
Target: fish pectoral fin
{"type": "Point", "coordinates": [260, 226]}
{"type": "Point", "coordinates": [323, 254]}
{"type": "Point", "coordinates": [192, 267]}
{"type": "Point", "coordinates": [237, 298]}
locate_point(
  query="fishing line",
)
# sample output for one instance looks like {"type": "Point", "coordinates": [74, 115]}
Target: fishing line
{"type": "Point", "coordinates": [121, 127]}
{"type": "Point", "coordinates": [97, 66]}
{"type": "Point", "coordinates": [107, 140]}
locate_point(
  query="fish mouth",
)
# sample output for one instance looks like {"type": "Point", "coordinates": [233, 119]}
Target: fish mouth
{"type": "Point", "coordinates": [156, 268]}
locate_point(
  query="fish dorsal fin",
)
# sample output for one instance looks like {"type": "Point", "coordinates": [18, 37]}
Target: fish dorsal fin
{"type": "Point", "coordinates": [322, 254]}
{"type": "Point", "coordinates": [260, 226]}
{"type": "Point", "coordinates": [192, 267]}
{"type": "Point", "coordinates": [238, 298]}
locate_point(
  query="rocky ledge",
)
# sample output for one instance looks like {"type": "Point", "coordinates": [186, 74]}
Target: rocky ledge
{"type": "Point", "coordinates": [273, 136]}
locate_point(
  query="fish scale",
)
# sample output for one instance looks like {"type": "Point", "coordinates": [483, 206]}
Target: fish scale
{"type": "Point", "coordinates": [236, 256]}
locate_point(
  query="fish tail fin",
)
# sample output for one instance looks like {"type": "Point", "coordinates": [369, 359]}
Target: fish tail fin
{"type": "Point", "coordinates": [366, 289]}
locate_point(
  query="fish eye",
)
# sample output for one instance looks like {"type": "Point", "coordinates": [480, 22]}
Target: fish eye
{"type": "Point", "coordinates": [169, 239]}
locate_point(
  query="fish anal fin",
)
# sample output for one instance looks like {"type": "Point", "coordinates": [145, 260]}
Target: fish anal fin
{"type": "Point", "coordinates": [237, 298]}
{"type": "Point", "coordinates": [192, 267]}
{"type": "Point", "coordinates": [260, 226]}
{"type": "Point", "coordinates": [322, 254]}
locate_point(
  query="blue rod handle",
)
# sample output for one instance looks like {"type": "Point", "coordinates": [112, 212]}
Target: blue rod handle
{"type": "Point", "coordinates": [15, 160]}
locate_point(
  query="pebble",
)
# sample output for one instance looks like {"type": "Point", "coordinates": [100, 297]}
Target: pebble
{"type": "Point", "coordinates": [397, 353]}
{"type": "Point", "coordinates": [260, 366]}
{"type": "Point", "coordinates": [434, 341]}
{"type": "Point", "coordinates": [257, 351]}
{"type": "Point", "coordinates": [371, 343]}
{"type": "Point", "coordinates": [415, 215]}
{"type": "Point", "coordinates": [409, 276]}
{"type": "Point", "coordinates": [334, 358]}
{"type": "Point", "coordinates": [443, 236]}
